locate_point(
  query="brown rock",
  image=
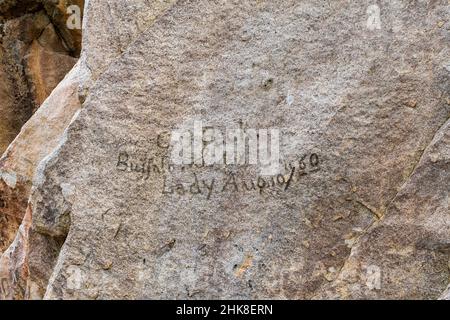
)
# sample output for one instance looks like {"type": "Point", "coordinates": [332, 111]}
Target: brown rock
{"type": "Point", "coordinates": [22, 158]}
{"type": "Point", "coordinates": [45, 69]}
{"type": "Point", "coordinates": [405, 255]}
{"type": "Point", "coordinates": [34, 59]}
{"type": "Point", "coordinates": [58, 13]}
{"type": "Point", "coordinates": [18, 164]}
{"type": "Point", "coordinates": [8, 125]}
{"type": "Point", "coordinates": [13, 266]}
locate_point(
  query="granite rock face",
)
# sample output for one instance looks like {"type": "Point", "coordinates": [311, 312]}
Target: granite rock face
{"type": "Point", "coordinates": [359, 205]}
{"type": "Point", "coordinates": [34, 59]}
{"type": "Point", "coordinates": [406, 255]}
{"type": "Point", "coordinates": [19, 163]}
{"type": "Point", "coordinates": [45, 65]}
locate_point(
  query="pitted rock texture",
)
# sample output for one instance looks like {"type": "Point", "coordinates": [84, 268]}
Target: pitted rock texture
{"type": "Point", "coordinates": [360, 210]}
{"type": "Point", "coordinates": [22, 158]}
{"type": "Point", "coordinates": [9, 121]}
{"type": "Point", "coordinates": [415, 230]}
{"type": "Point", "coordinates": [34, 58]}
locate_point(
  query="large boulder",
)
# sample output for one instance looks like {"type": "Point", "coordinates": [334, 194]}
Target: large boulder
{"type": "Point", "coordinates": [362, 189]}
{"type": "Point", "coordinates": [42, 133]}
{"type": "Point", "coordinates": [33, 60]}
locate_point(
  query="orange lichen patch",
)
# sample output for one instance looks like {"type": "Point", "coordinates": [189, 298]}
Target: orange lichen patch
{"type": "Point", "coordinates": [244, 266]}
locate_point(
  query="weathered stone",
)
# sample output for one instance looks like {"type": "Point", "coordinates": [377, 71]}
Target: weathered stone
{"type": "Point", "coordinates": [359, 211]}
{"type": "Point", "coordinates": [33, 61]}
{"type": "Point", "coordinates": [12, 209]}
{"type": "Point", "coordinates": [14, 8]}
{"type": "Point", "coordinates": [22, 158]}
{"type": "Point", "coordinates": [46, 69]}
{"type": "Point", "coordinates": [111, 27]}
{"type": "Point", "coordinates": [8, 123]}
{"type": "Point", "coordinates": [15, 39]}
{"type": "Point", "coordinates": [367, 194]}
{"type": "Point", "coordinates": [406, 254]}
{"type": "Point", "coordinates": [20, 161]}
{"type": "Point", "coordinates": [18, 164]}
{"type": "Point", "coordinates": [59, 13]}
{"type": "Point", "coordinates": [13, 262]}
{"type": "Point", "coordinates": [446, 294]}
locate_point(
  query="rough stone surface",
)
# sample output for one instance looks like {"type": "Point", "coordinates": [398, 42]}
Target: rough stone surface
{"type": "Point", "coordinates": [8, 124]}
{"type": "Point", "coordinates": [446, 295]}
{"type": "Point", "coordinates": [44, 75]}
{"type": "Point", "coordinates": [110, 27]}
{"type": "Point", "coordinates": [410, 246]}
{"type": "Point", "coordinates": [364, 116]}
{"type": "Point", "coordinates": [58, 12]}
{"type": "Point", "coordinates": [22, 158]}
{"type": "Point", "coordinates": [34, 59]}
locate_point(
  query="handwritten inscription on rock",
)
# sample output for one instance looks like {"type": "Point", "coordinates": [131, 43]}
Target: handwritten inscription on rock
{"type": "Point", "coordinates": [154, 166]}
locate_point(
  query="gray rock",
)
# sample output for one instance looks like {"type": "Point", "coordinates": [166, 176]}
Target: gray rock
{"type": "Point", "coordinates": [360, 209]}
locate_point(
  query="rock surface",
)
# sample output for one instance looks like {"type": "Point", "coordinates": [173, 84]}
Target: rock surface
{"type": "Point", "coordinates": [21, 159]}
{"type": "Point", "coordinates": [34, 59]}
{"type": "Point", "coordinates": [360, 209]}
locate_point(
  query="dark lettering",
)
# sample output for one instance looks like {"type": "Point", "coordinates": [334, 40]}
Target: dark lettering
{"type": "Point", "coordinates": [288, 183]}
{"type": "Point", "coordinates": [122, 163]}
